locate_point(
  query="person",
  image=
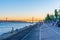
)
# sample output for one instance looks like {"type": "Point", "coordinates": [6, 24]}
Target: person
{"type": "Point", "coordinates": [12, 29]}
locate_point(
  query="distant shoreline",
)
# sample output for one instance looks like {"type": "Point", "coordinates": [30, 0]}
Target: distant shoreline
{"type": "Point", "coordinates": [14, 21]}
{"type": "Point", "coordinates": [11, 21]}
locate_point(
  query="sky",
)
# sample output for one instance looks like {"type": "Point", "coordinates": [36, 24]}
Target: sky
{"type": "Point", "coordinates": [26, 9]}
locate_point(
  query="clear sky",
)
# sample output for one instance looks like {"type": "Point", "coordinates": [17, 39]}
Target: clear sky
{"type": "Point", "coordinates": [21, 9]}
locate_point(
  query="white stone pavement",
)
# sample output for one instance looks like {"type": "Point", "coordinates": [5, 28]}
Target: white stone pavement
{"type": "Point", "coordinates": [49, 32]}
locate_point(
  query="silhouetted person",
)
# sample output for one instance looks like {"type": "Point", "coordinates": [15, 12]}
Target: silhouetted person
{"type": "Point", "coordinates": [12, 29]}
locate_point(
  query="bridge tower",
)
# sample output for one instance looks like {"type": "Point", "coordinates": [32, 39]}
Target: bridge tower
{"type": "Point", "coordinates": [32, 19]}
{"type": "Point", "coordinates": [6, 19]}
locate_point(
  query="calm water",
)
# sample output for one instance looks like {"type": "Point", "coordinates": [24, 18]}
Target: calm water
{"type": "Point", "coordinates": [7, 26]}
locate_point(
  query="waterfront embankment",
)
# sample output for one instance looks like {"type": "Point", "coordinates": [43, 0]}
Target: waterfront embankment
{"type": "Point", "coordinates": [19, 34]}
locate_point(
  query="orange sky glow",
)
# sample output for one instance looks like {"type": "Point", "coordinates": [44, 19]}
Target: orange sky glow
{"type": "Point", "coordinates": [29, 19]}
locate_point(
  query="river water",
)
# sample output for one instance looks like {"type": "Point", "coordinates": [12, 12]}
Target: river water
{"type": "Point", "coordinates": [7, 26]}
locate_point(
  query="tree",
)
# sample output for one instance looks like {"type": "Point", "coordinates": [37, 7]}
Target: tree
{"type": "Point", "coordinates": [47, 18]}
{"type": "Point", "coordinates": [56, 13]}
{"type": "Point", "coordinates": [51, 17]}
{"type": "Point", "coordinates": [59, 17]}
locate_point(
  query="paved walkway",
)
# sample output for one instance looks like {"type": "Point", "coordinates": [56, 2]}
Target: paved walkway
{"type": "Point", "coordinates": [43, 32]}
{"type": "Point", "coordinates": [48, 33]}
